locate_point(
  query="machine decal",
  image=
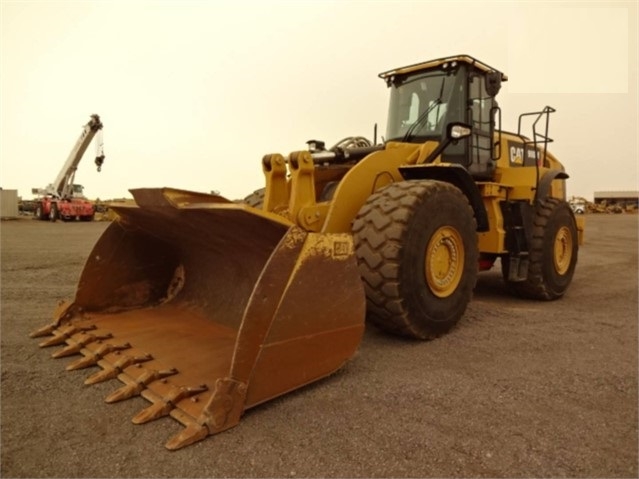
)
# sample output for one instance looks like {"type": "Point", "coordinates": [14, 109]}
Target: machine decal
{"type": "Point", "coordinates": [520, 155]}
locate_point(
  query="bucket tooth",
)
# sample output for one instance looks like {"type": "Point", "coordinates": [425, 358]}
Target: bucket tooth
{"type": "Point", "coordinates": [64, 311]}
{"type": "Point", "coordinates": [61, 336]}
{"type": "Point", "coordinates": [45, 330]}
{"type": "Point", "coordinates": [92, 358]}
{"type": "Point", "coordinates": [166, 404]}
{"type": "Point", "coordinates": [77, 345]}
{"type": "Point", "coordinates": [192, 433]}
{"type": "Point", "coordinates": [111, 371]}
{"type": "Point", "coordinates": [136, 386]}
{"type": "Point", "coordinates": [54, 340]}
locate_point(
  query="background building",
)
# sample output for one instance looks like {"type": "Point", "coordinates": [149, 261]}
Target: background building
{"type": "Point", "coordinates": [8, 203]}
{"type": "Point", "coordinates": [623, 199]}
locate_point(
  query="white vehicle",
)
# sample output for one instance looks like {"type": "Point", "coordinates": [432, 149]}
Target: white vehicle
{"type": "Point", "coordinates": [578, 206]}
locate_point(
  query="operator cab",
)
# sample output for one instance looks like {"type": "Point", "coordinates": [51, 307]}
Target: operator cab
{"type": "Point", "coordinates": [77, 191]}
{"type": "Point", "coordinates": [425, 98]}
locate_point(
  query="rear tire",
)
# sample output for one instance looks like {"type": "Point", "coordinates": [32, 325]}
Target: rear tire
{"type": "Point", "coordinates": [416, 246]}
{"type": "Point", "coordinates": [553, 253]}
{"type": "Point", "coordinates": [38, 212]}
{"type": "Point", "coordinates": [329, 191]}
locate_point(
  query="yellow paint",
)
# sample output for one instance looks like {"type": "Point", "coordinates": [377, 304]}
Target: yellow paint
{"type": "Point", "coordinates": [294, 185]}
{"type": "Point", "coordinates": [493, 240]}
{"type": "Point", "coordinates": [581, 226]}
{"type": "Point", "coordinates": [375, 171]}
{"type": "Point", "coordinates": [444, 261]}
{"type": "Point", "coordinates": [277, 191]}
{"type": "Point", "coordinates": [562, 250]}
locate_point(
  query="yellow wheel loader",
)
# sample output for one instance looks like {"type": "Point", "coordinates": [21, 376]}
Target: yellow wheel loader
{"type": "Point", "coordinates": [207, 307]}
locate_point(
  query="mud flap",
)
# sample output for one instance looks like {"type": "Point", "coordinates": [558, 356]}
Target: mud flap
{"type": "Point", "coordinates": [206, 308]}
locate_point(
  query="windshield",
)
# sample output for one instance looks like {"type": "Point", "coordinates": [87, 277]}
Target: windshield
{"type": "Point", "coordinates": [78, 191]}
{"type": "Point", "coordinates": [420, 106]}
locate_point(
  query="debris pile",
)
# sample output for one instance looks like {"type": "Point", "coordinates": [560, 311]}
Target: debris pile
{"type": "Point", "coordinates": [581, 205]}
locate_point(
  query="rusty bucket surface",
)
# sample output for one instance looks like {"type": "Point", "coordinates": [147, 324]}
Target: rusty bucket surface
{"type": "Point", "coordinates": [207, 307]}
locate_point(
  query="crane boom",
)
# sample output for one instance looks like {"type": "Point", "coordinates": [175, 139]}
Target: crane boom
{"type": "Point", "coordinates": [62, 187]}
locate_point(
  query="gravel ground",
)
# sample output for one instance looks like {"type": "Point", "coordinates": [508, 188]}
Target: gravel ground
{"type": "Point", "coordinates": [518, 388]}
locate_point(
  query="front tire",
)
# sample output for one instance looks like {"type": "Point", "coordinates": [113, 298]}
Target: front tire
{"type": "Point", "coordinates": [553, 253]}
{"type": "Point", "coordinates": [416, 246]}
{"type": "Point", "coordinates": [53, 213]}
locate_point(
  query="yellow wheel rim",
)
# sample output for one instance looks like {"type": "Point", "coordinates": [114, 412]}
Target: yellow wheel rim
{"type": "Point", "coordinates": [444, 262]}
{"type": "Point", "coordinates": [563, 250]}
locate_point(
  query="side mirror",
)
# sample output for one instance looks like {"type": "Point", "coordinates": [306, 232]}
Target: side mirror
{"type": "Point", "coordinates": [493, 83]}
{"type": "Point", "coordinates": [456, 131]}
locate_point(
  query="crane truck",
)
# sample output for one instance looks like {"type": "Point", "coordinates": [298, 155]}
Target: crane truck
{"type": "Point", "coordinates": [63, 199]}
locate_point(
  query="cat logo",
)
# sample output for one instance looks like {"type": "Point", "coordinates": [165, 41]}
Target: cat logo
{"type": "Point", "coordinates": [522, 156]}
{"type": "Point", "coordinates": [516, 155]}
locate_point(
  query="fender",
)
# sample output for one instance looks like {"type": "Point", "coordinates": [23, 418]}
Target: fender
{"type": "Point", "coordinates": [543, 187]}
{"type": "Point", "coordinates": [456, 175]}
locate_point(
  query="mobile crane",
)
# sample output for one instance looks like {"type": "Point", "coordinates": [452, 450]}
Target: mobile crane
{"type": "Point", "coordinates": [63, 199]}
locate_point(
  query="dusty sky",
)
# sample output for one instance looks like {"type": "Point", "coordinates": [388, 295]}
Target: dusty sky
{"type": "Point", "coordinates": [193, 94]}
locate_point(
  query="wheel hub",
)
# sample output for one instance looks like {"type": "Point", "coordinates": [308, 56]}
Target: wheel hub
{"type": "Point", "coordinates": [444, 261]}
{"type": "Point", "coordinates": [562, 255]}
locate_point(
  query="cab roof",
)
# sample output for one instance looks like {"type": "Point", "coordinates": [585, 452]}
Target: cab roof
{"type": "Point", "coordinates": [430, 64]}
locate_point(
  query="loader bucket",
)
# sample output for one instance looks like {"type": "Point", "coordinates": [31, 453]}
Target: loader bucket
{"type": "Point", "coordinates": [206, 308]}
